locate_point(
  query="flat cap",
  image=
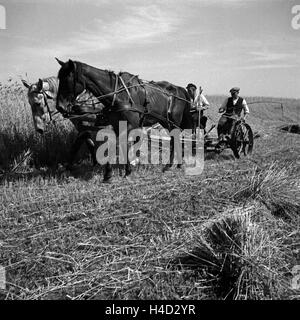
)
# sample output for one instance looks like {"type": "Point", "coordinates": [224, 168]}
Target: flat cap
{"type": "Point", "coordinates": [234, 89]}
{"type": "Point", "coordinates": [191, 85]}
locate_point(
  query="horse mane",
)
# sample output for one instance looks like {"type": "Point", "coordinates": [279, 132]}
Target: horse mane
{"type": "Point", "coordinates": [53, 83]}
{"type": "Point", "coordinates": [65, 71]}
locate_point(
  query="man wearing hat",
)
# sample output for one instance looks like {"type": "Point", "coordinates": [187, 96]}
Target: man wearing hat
{"type": "Point", "coordinates": [191, 89]}
{"type": "Point", "coordinates": [199, 103]}
{"type": "Point", "coordinates": [231, 108]}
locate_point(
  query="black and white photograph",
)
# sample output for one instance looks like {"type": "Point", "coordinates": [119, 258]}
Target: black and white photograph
{"type": "Point", "coordinates": [150, 151]}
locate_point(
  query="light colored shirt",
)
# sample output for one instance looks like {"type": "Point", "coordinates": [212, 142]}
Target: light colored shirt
{"type": "Point", "coordinates": [200, 101]}
{"type": "Point", "coordinates": [245, 106]}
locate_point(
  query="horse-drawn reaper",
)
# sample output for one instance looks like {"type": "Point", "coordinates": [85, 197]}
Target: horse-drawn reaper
{"type": "Point", "coordinates": [140, 103]}
{"type": "Point", "coordinates": [233, 131]}
{"type": "Point", "coordinates": [86, 94]}
{"type": "Point", "coordinates": [240, 140]}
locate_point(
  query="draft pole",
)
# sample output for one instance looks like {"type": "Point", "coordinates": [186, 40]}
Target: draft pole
{"type": "Point", "coordinates": [199, 112]}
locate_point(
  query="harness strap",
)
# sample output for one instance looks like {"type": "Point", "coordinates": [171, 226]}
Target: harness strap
{"type": "Point", "coordinates": [151, 114]}
{"type": "Point", "coordinates": [129, 95]}
{"type": "Point", "coordinates": [146, 102]}
{"type": "Point", "coordinates": [169, 107]}
{"type": "Point", "coordinates": [116, 91]}
{"type": "Point", "coordinates": [116, 88]}
{"type": "Point", "coordinates": [47, 105]}
{"type": "Point", "coordinates": [146, 112]}
{"type": "Point", "coordinates": [47, 94]}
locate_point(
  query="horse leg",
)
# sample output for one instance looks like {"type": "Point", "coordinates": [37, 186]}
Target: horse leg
{"type": "Point", "coordinates": [107, 173]}
{"type": "Point", "coordinates": [84, 137]}
{"type": "Point", "coordinates": [177, 117]}
{"type": "Point", "coordinates": [123, 152]}
{"type": "Point", "coordinates": [170, 163]}
{"type": "Point", "coordinates": [179, 165]}
{"type": "Point", "coordinates": [91, 146]}
{"type": "Point", "coordinates": [128, 168]}
{"type": "Point", "coordinates": [74, 150]}
{"type": "Point", "coordinates": [132, 122]}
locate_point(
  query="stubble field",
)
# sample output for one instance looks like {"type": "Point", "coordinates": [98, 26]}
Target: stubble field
{"type": "Point", "coordinates": [230, 233]}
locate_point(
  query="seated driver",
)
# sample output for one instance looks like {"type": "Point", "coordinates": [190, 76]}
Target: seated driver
{"type": "Point", "coordinates": [231, 108]}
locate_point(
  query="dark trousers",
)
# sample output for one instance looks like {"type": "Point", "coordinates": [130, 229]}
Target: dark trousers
{"type": "Point", "coordinates": [203, 121]}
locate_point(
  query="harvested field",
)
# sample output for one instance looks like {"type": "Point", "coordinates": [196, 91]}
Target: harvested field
{"type": "Point", "coordinates": [231, 233]}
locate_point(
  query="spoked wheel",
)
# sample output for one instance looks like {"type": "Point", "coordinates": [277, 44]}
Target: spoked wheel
{"type": "Point", "coordinates": [242, 140]}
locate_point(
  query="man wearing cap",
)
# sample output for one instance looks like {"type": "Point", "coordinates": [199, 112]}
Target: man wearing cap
{"type": "Point", "coordinates": [231, 108]}
{"type": "Point", "coordinates": [191, 89]}
{"type": "Point", "coordinates": [198, 104]}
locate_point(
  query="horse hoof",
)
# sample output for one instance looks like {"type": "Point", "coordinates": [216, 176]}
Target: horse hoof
{"type": "Point", "coordinates": [60, 168]}
{"type": "Point", "coordinates": [166, 168]}
{"type": "Point", "coordinates": [69, 168]}
{"type": "Point", "coordinates": [107, 180]}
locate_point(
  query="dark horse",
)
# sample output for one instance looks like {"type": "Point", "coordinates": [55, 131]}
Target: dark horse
{"type": "Point", "coordinates": [125, 98]}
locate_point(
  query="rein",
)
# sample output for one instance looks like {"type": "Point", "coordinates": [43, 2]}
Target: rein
{"type": "Point", "coordinates": [47, 106]}
{"type": "Point", "coordinates": [51, 114]}
{"type": "Point", "coordinates": [46, 97]}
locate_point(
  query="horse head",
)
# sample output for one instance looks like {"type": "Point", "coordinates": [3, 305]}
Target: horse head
{"type": "Point", "coordinates": [38, 95]}
{"type": "Point", "coordinates": [71, 85]}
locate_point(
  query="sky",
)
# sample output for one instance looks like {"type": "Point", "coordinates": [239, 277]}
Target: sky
{"type": "Point", "coordinates": [217, 44]}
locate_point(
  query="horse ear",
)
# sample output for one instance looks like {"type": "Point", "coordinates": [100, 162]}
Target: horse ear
{"type": "Point", "coordinates": [26, 84]}
{"type": "Point", "coordinates": [40, 85]}
{"type": "Point", "coordinates": [60, 62]}
{"type": "Point", "coordinates": [71, 64]}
